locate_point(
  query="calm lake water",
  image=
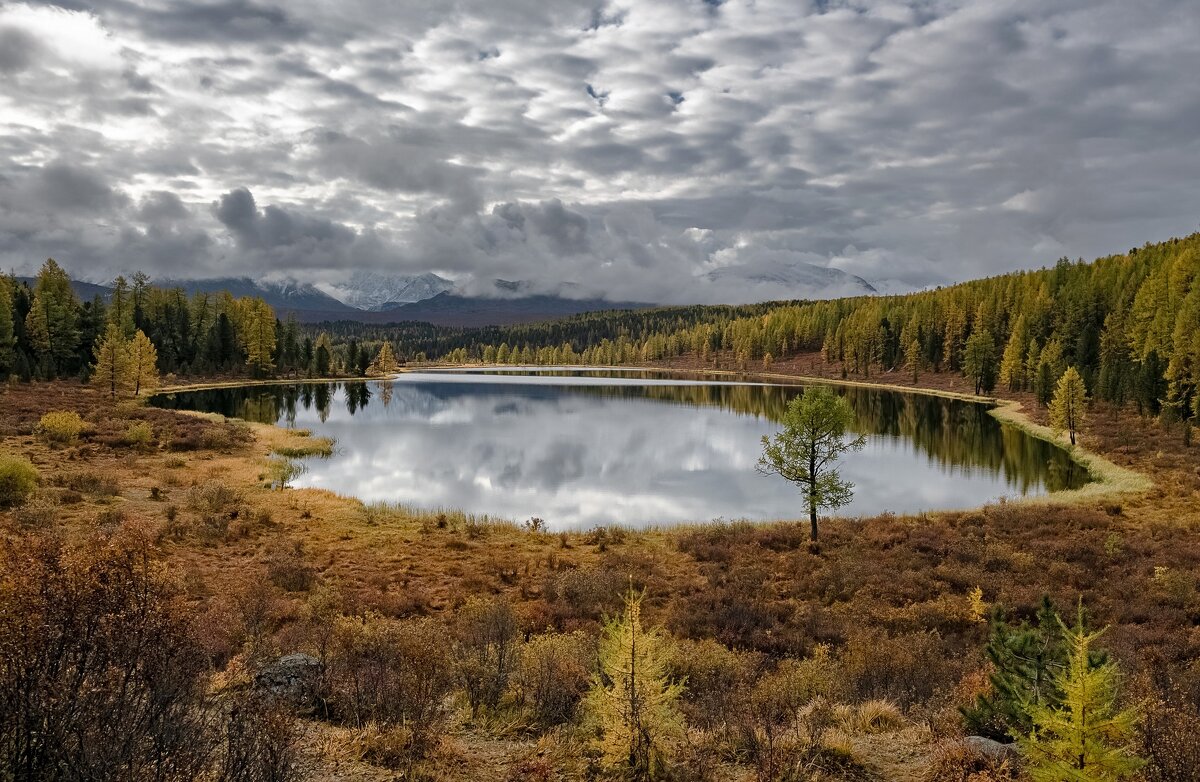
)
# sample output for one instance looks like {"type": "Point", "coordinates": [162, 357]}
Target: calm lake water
{"type": "Point", "coordinates": [583, 448]}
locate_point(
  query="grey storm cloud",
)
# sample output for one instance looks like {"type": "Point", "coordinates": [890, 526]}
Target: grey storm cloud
{"type": "Point", "coordinates": [625, 148]}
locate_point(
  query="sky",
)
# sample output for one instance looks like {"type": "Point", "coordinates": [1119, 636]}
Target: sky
{"type": "Point", "coordinates": [630, 148]}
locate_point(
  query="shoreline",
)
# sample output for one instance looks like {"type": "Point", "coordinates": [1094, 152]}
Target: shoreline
{"type": "Point", "coordinates": [1107, 478]}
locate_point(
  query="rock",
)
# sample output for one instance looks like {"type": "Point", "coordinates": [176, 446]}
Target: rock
{"type": "Point", "coordinates": [992, 749]}
{"type": "Point", "coordinates": [293, 678]}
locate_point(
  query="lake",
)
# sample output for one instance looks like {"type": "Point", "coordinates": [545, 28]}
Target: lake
{"type": "Point", "coordinates": [582, 448]}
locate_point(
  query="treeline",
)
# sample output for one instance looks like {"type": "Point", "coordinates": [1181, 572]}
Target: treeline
{"type": "Point", "coordinates": [562, 341]}
{"type": "Point", "coordinates": [47, 332]}
{"type": "Point", "coordinates": [1130, 324]}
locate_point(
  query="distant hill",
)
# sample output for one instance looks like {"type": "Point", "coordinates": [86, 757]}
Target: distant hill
{"type": "Point", "coordinates": [284, 297]}
{"type": "Point", "coordinates": [449, 309]}
{"type": "Point", "coordinates": [86, 291]}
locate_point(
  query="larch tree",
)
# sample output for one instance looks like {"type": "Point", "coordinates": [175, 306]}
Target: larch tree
{"type": "Point", "coordinates": [259, 335]}
{"type": "Point", "coordinates": [633, 698]}
{"type": "Point", "coordinates": [1086, 737]}
{"type": "Point", "coordinates": [979, 360]}
{"type": "Point", "coordinates": [1012, 362]}
{"type": "Point", "coordinates": [1068, 407]}
{"type": "Point", "coordinates": [53, 321]}
{"type": "Point", "coordinates": [805, 452]}
{"type": "Point", "coordinates": [120, 308]}
{"type": "Point", "coordinates": [914, 359]}
{"type": "Point", "coordinates": [385, 363]}
{"type": "Point", "coordinates": [111, 370]}
{"type": "Point", "coordinates": [143, 363]}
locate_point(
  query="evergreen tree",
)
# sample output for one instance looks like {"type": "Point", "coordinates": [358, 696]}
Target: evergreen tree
{"type": "Point", "coordinates": [1085, 738]}
{"type": "Point", "coordinates": [1068, 408]}
{"type": "Point", "coordinates": [143, 364]}
{"type": "Point", "coordinates": [53, 320]}
{"type": "Point", "coordinates": [111, 370]}
{"type": "Point", "coordinates": [633, 699]}
{"type": "Point", "coordinates": [323, 355]}
{"type": "Point", "coordinates": [120, 311]}
{"type": "Point", "coordinates": [806, 450]}
{"type": "Point", "coordinates": [8, 338]}
{"type": "Point", "coordinates": [979, 360]}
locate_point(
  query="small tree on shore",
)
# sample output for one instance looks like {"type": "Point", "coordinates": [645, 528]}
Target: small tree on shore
{"type": "Point", "coordinates": [111, 370]}
{"type": "Point", "coordinates": [806, 450]}
{"type": "Point", "coordinates": [143, 364]}
{"type": "Point", "coordinates": [385, 363]}
{"type": "Point", "coordinates": [1068, 407]}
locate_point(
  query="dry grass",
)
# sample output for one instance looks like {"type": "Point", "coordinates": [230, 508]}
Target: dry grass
{"type": "Point", "coordinates": [888, 594]}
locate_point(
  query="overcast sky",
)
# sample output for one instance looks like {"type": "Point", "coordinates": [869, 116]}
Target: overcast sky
{"type": "Point", "coordinates": [625, 146]}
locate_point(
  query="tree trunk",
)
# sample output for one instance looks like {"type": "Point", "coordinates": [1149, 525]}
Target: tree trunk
{"type": "Point", "coordinates": [812, 518]}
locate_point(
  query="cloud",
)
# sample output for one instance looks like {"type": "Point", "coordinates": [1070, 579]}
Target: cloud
{"type": "Point", "coordinates": [627, 148]}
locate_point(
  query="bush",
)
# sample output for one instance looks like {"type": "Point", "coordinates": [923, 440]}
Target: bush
{"type": "Point", "coordinates": [139, 434]}
{"type": "Point", "coordinates": [485, 650]}
{"type": "Point", "coordinates": [18, 479]}
{"type": "Point", "coordinates": [288, 567]}
{"type": "Point", "coordinates": [213, 497]}
{"type": "Point", "coordinates": [717, 682]}
{"type": "Point", "coordinates": [390, 671]}
{"type": "Point", "coordinates": [60, 426]}
{"type": "Point", "coordinates": [958, 761]}
{"type": "Point", "coordinates": [553, 675]}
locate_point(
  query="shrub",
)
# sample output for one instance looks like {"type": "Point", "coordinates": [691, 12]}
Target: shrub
{"type": "Point", "coordinates": [213, 497]}
{"type": "Point", "coordinates": [717, 682]}
{"type": "Point", "coordinates": [288, 568]}
{"type": "Point", "coordinates": [262, 742]}
{"type": "Point", "coordinates": [37, 514]}
{"type": "Point", "coordinates": [99, 676]}
{"type": "Point", "coordinates": [553, 675]}
{"type": "Point", "coordinates": [485, 650]}
{"type": "Point", "coordinates": [390, 671]}
{"type": "Point", "coordinates": [139, 434]}
{"type": "Point", "coordinates": [18, 479]}
{"type": "Point", "coordinates": [958, 761]}
{"type": "Point", "coordinates": [60, 426]}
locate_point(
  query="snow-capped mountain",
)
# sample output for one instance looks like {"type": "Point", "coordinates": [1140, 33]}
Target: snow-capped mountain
{"type": "Point", "coordinates": [758, 282]}
{"type": "Point", "coordinates": [285, 295]}
{"type": "Point", "coordinates": [371, 291]}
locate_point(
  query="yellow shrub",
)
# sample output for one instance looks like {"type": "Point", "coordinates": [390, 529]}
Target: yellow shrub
{"type": "Point", "coordinates": [60, 426]}
{"type": "Point", "coordinates": [18, 478]}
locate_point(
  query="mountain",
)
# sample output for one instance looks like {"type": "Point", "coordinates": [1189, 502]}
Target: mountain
{"type": "Point", "coordinates": [283, 296]}
{"type": "Point", "coordinates": [375, 291]}
{"type": "Point", "coordinates": [755, 282]}
{"type": "Point", "coordinates": [451, 309]}
{"type": "Point", "coordinates": [86, 291]}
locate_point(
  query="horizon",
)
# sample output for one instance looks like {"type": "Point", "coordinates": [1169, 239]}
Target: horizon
{"type": "Point", "coordinates": [682, 152]}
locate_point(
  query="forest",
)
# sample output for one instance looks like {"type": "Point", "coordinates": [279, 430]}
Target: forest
{"type": "Point", "coordinates": [1128, 323]}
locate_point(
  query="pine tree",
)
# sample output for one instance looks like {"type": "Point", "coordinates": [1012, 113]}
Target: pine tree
{"type": "Point", "coordinates": [111, 370]}
{"type": "Point", "coordinates": [1086, 738]}
{"type": "Point", "coordinates": [323, 355]}
{"type": "Point", "coordinates": [1068, 407]}
{"type": "Point", "coordinates": [143, 363]}
{"type": "Point", "coordinates": [8, 340]}
{"type": "Point", "coordinates": [633, 699]}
